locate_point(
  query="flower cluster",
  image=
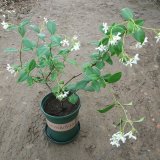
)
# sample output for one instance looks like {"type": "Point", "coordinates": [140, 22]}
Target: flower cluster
{"type": "Point", "coordinates": [121, 137]}
{"type": "Point", "coordinates": [101, 48]}
{"type": "Point", "coordinates": [45, 19]}
{"type": "Point", "coordinates": [105, 27]}
{"type": "Point", "coordinates": [76, 46]}
{"type": "Point", "coordinates": [114, 39]}
{"type": "Point", "coordinates": [10, 69]}
{"type": "Point", "coordinates": [64, 43]}
{"type": "Point", "coordinates": [62, 95]}
{"type": "Point", "coordinates": [5, 25]}
{"type": "Point", "coordinates": [130, 61]}
{"type": "Point", "coordinates": [74, 43]}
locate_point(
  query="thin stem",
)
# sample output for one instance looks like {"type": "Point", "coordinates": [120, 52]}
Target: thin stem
{"type": "Point", "coordinates": [20, 56]}
{"type": "Point", "coordinates": [119, 104]}
{"type": "Point", "coordinates": [48, 86]}
{"type": "Point", "coordinates": [46, 82]}
{"type": "Point", "coordinates": [72, 79]}
{"type": "Point", "coordinates": [151, 29]}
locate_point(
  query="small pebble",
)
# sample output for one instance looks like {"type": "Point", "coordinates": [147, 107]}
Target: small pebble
{"type": "Point", "coordinates": [158, 126]}
{"type": "Point", "coordinates": [153, 119]}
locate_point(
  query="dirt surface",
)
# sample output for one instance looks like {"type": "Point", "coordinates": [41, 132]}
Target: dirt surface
{"type": "Point", "coordinates": [22, 123]}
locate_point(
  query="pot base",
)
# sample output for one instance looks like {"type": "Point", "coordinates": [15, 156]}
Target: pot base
{"type": "Point", "coordinates": [60, 142]}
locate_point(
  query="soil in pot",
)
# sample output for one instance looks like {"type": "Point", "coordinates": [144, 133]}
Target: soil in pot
{"type": "Point", "coordinates": [55, 107]}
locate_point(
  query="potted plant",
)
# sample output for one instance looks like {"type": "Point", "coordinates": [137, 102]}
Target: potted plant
{"type": "Point", "coordinates": [50, 56]}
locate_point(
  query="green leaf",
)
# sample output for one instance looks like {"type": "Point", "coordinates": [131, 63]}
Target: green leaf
{"type": "Point", "coordinates": [54, 76]}
{"type": "Point", "coordinates": [106, 77]}
{"type": "Point", "coordinates": [81, 84]}
{"type": "Point", "coordinates": [104, 41]}
{"type": "Point", "coordinates": [28, 44]}
{"type": "Point", "coordinates": [73, 98]}
{"type": "Point", "coordinates": [127, 14]}
{"type": "Point", "coordinates": [115, 77]}
{"type": "Point", "coordinates": [25, 22]}
{"type": "Point", "coordinates": [96, 86]}
{"type": "Point", "coordinates": [56, 40]}
{"type": "Point", "coordinates": [130, 26]}
{"type": "Point", "coordinates": [64, 52]}
{"type": "Point", "coordinates": [41, 36]}
{"type": "Point", "coordinates": [100, 64]}
{"type": "Point", "coordinates": [51, 26]}
{"type": "Point", "coordinates": [107, 58]}
{"type": "Point", "coordinates": [55, 89]}
{"type": "Point", "coordinates": [59, 65]}
{"type": "Point", "coordinates": [89, 88]}
{"type": "Point", "coordinates": [102, 82]}
{"type": "Point", "coordinates": [139, 22]}
{"type": "Point", "coordinates": [71, 87]}
{"type": "Point", "coordinates": [35, 28]}
{"type": "Point", "coordinates": [32, 65]}
{"type": "Point", "coordinates": [140, 120]}
{"type": "Point", "coordinates": [128, 104]}
{"type": "Point", "coordinates": [116, 49]}
{"type": "Point", "coordinates": [92, 73]}
{"type": "Point", "coordinates": [116, 29]}
{"type": "Point", "coordinates": [95, 56]}
{"type": "Point", "coordinates": [43, 51]}
{"type": "Point", "coordinates": [30, 81]}
{"type": "Point", "coordinates": [21, 30]}
{"type": "Point", "coordinates": [12, 27]}
{"type": "Point", "coordinates": [23, 76]}
{"type": "Point", "coordinates": [107, 108]}
{"type": "Point", "coordinates": [11, 50]}
{"type": "Point", "coordinates": [139, 35]}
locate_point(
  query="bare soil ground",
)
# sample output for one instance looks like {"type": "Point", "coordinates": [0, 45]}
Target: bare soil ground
{"type": "Point", "coordinates": [22, 123]}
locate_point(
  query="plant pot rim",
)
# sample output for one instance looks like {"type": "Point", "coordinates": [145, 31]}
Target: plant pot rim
{"type": "Point", "coordinates": [58, 117]}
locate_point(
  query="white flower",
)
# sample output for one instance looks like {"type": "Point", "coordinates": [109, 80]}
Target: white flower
{"type": "Point", "coordinates": [139, 45]}
{"type": "Point", "coordinates": [130, 135]}
{"type": "Point", "coordinates": [157, 37]}
{"type": "Point", "coordinates": [45, 19]}
{"type": "Point", "coordinates": [121, 137]}
{"type": "Point", "coordinates": [131, 61]}
{"type": "Point", "coordinates": [116, 138]}
{"type": "Point", "coordinates": [76, 46]}
{"type": "Point", "coordinates": [101, 48]}
{"type": "Point", "coordinates": [75, 37]}
{"type": "Point", "coordinates": [115, 38]}
{"type": "Point", "coordinates": [135, 59]}
{"type": "Point", "coordinates": [5, 25]}
{"type": "Point", "coordinates": [62, 95]}
{"type": "Point", "coordinates": [105, 27]}
{"type": "Point", "coordinates": [4, 16]}
{"type": "Point", "coordinates": [65, 42]}
{"type": "Point", "coordinates": [10, 69]}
